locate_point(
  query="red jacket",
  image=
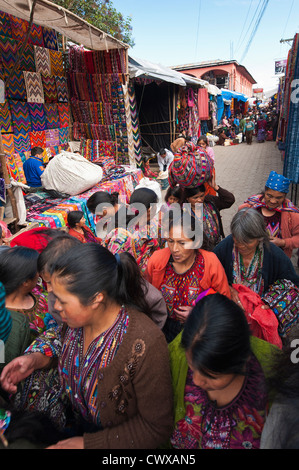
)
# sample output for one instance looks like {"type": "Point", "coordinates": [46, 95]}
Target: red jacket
{"type": "Point", "coordinates": [214, 274]}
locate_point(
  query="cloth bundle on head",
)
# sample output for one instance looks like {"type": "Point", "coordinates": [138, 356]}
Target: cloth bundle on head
{"type": "Point", "coordinates": [278, 182]}
{"type": "Point", "coordinates": [191, 167]}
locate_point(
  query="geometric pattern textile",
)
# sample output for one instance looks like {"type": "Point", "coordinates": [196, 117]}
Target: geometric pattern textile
{"type": "Point", "coordinates": [63, 136]}
{"type": "Point", "coordinates": [52, 137]}
{"type": "Point", "coordinates": [15, 167]}
{"type": "Point", "coordinates": [5, 28]}
{"type": "Point", "coordinates": [19, 28]}
{"type": "Point", "coordinates": [5, 117]}
{"type": "Point", "coordinates": [27, 59]}
{"type": "Point", "coordinates": [49, 87]}
{"type": "Point", "coordinates": [8, 52]}
{"type": "Point", "coordinates": [64, 114]}
{"type": "Point", "coordinates": [42, 60]}
{"type": "Point", "coordinates": [36, 36]}
{"type": "Point", "coordinates": [62, 89]}
{"type": "Point", "coordinates": [37, 139]}
{"type": "Point", "coordinates": [38, 116]}
{"type": "Point", "coordinates": [52, 115]}
{"type": "Point", "coordinates": [56, 61]}
{"type": "Point", "coordinates": [15, 88]}
{"type": "Point", "coordinates": [34, 87]}
{"type": "Point", "coordinates": [20, 117]}
{"type": "Point", "coordinates": [8, 144]}
{"type": "Point", "coordinates": [21, 143]}
{"type": "Point", "coordinates": [50, 38]}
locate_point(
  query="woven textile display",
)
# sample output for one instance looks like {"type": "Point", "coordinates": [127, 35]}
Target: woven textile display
{"type": "Point", "coordinates": [20, 117]}
{"type": "Point", "coordinates": [5, 117]}
{"type": "Point", "coordinates": [36, 111]}
{"type": "Point", "coordinates": [34, 87]}
{"type": "Point", "coordinates": [15, 167]}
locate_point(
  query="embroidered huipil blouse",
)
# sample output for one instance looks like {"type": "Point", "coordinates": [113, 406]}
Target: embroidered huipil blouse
{"type": "Point", "coordinates": [182, 289]}
{"type": "Point", "coordinates": [79, 371]}
{"type": "Point", "coordinates": [237, 425]}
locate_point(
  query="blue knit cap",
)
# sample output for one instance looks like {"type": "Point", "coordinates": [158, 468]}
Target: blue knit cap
{"type": "Point", "coordinates": [278, 182]}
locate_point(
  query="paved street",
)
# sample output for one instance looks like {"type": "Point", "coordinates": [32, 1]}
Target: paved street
{"type": "Point", "coordinates": [244, 169]}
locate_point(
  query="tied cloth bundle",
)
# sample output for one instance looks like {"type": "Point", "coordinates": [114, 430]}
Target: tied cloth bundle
{"type": "Point", "coordinates": [4, 423]}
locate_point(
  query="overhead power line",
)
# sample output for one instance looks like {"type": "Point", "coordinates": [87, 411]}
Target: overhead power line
{"type": "Point", "coordinates": [255, 28]}
{"type": "Point", "coordinates": [238, 43]}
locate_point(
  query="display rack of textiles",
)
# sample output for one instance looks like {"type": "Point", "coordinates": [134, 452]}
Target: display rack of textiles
{"type": "Point", "coordinates": [36, 109]}
{"type": "Point", "coordinates": [52, 213]}
{"type": "Point", "coordinates": [289, 131]}
{"type": "Point", "coordinates": [95, 82]}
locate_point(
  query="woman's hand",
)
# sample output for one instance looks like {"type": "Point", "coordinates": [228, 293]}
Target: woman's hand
{"type": "Point", "coordinates": [20, 368]}
{"type": "Point", "coordinates": [72, 443]}
{"type": "Point", "coordinates": [182, 313]}
{"type": "Point", "coordinates": [278, 242]}
{"type": "Point", "coordinates": [235, 296]}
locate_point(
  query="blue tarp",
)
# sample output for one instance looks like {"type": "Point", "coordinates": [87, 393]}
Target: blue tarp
{"type": "Point", "coordinates": [229, 95]}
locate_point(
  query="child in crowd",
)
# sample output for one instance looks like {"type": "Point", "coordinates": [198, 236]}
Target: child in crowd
{"type": "Point", "coordinates": [172, 196]}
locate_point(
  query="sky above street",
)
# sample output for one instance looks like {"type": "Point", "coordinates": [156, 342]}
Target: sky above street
{"type": "Point", "coordinates": [177, 32]}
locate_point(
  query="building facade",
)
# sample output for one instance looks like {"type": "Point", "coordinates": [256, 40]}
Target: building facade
{"type": "Point", "coordinates": [224, 74]}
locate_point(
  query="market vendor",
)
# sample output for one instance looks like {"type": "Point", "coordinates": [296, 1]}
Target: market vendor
{"type": "Point", "coordinates": [34, 168]}
{"type": "Point", "coordinates": [164, 159]}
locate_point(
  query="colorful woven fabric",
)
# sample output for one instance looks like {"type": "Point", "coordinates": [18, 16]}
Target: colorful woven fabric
{"type": "Point", "coordinates": [27, 59]}
{"type": "Point", "coordinates": [8, 144]}
{"type": "Point", "coordinates": [38, 116]}
{"type": "Point", "coordinates": [135, 123]}
{"type": "Point", "coordinates": [8, 51]}
{"type": "Point", "coordinates": [15, 88]}
{"type": "Point", "coordinates": [50, 38]}
{"type": "Point", "coordinates": [36, 35]}
{"type": "Point", "coordinates": [63, 136]}
{"type": "Point", "coordinates": [15, 167]}
{"type": "Point", "coordinates": [37, 139]}
{"type": "Point", "coordinates": [62, 89]}
{"type": "Point", "coordinates": [34, 87]}
{"type": "Point", "coordinates": [19, 28]}
{"type": "Point", "coordinates": [5, 28]}
{"type": "Point", "coordinates": [64, 114]}
{"type": "Point", "coordinates": [42, 60]}
{"type": "Point", "coordinates": [52, 137]}
{"type": "Point", "coordinates": [21, 119]}
{"type": "Point", "coordinates": [49, 87]}
{"type": "Point", "coordinates": [56, 61]}
{"type": "Point", "coordinates": [21, 143]}
{"type": "Point", "coordinates": [52, 115]}
{"type": "Point", "coordinates": [5, 117]}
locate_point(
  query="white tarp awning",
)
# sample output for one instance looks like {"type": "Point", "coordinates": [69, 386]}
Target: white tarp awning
{"type": "Point", "coordinates": [144, 68]}
{"type": "Point", "coordinates": [63, 21]}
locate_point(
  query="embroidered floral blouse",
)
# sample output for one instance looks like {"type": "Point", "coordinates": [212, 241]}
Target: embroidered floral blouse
{"type": "Point", "coordinates": [237, 425]}
{"type": "Point", "coordinates": [79, 371]}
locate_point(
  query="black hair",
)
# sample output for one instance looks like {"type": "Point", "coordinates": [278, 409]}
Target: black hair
{"type": "Point", "coordinates": [74, 218]}
{"type": "Point", "coordinates": [175, 192]}
{"type": "Point", "coordinates": [91, 268]}
{"type": "Point", "coordinates": [162, 151]}
{"type": "Point", "coordinates": [101, 197]}
{"type": "Point", "coordinates": [204, 138]}
{"type": "Point", "coordinates": [217, 335]}
{"type": "Point", "coordinates": [17, 265]}
{"type": "Point", "coordinates": [36, 151]}
{"type": "Point", "coordinates": [145, 196]}
{"type": "Point", "coordinates": [56, 248]}
{"type": "Point", "coordinates": [188, 223]}
{"type": "Point", "coordinates": [190, 192]}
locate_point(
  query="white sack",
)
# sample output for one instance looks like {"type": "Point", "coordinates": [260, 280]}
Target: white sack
{"type": "Point", "coordinates": [70, 173]}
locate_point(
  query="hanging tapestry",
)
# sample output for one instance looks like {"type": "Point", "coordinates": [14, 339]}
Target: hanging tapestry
{"type": "Point", "coordinates": [50, 38]}
{"type": "Point", "coordinates": [88, 57]}
{"type": "Point", "coordinates": [8, 52]}
{"type": "Point", "coordinates": [20, 117]}
{"type": "Point", "coordinates": [63, 136]}
{"type": "Point", "coordinates": [42, 60]}
{"type": "Point", "coordinates": [8, 144]}
{"type": "Point", "coordinates": [52, 115]}
{"type": "Point", "coordinates": [36, 36]}
{"type": "Point", "coordinates": [5, 28]}
{"type": "Point", "coordinates": [64, 114]}
{"type": "Point", "coordinates": [15, 88]}
{"type": "Point", "coordinates": [27, 59]}
{"type": "Point", "coordinates": [52, 137]}
{"type": "Point", "coordinates": [135, 123]}
{"type": "Point", "coordinates": [62, 90]}
{"type": "Point", "coordinates": [37, 139]}
{"type": "Point", "coordinates": [15, 167]}
{"type": "Point", "coordinates": [131, 149]}
{"type": "Point", "coordinates": [56, 61]}
{"type": "Point", "coordinates": [19, 28]}
{"type": "Point", "coordinates": [34, 87]}
{"type": "Point", "coordinates": [5, 118]}
{"type": "Point", "coordinates": [76, 59]}
{"type": "Point", "coordinates": [49, 86]}
{"type": "Point", "coordinates": [21, 143]}
{"type": "Point", "coordinates": [38, 116]}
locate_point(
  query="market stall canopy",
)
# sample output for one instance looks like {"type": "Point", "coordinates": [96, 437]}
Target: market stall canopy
{"type": "Point", "coordinates": [229, 95]}
{"type": "Point", "coordinates": [63, 21]}
{"type": "Point", "coordinates": [144, 68]}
